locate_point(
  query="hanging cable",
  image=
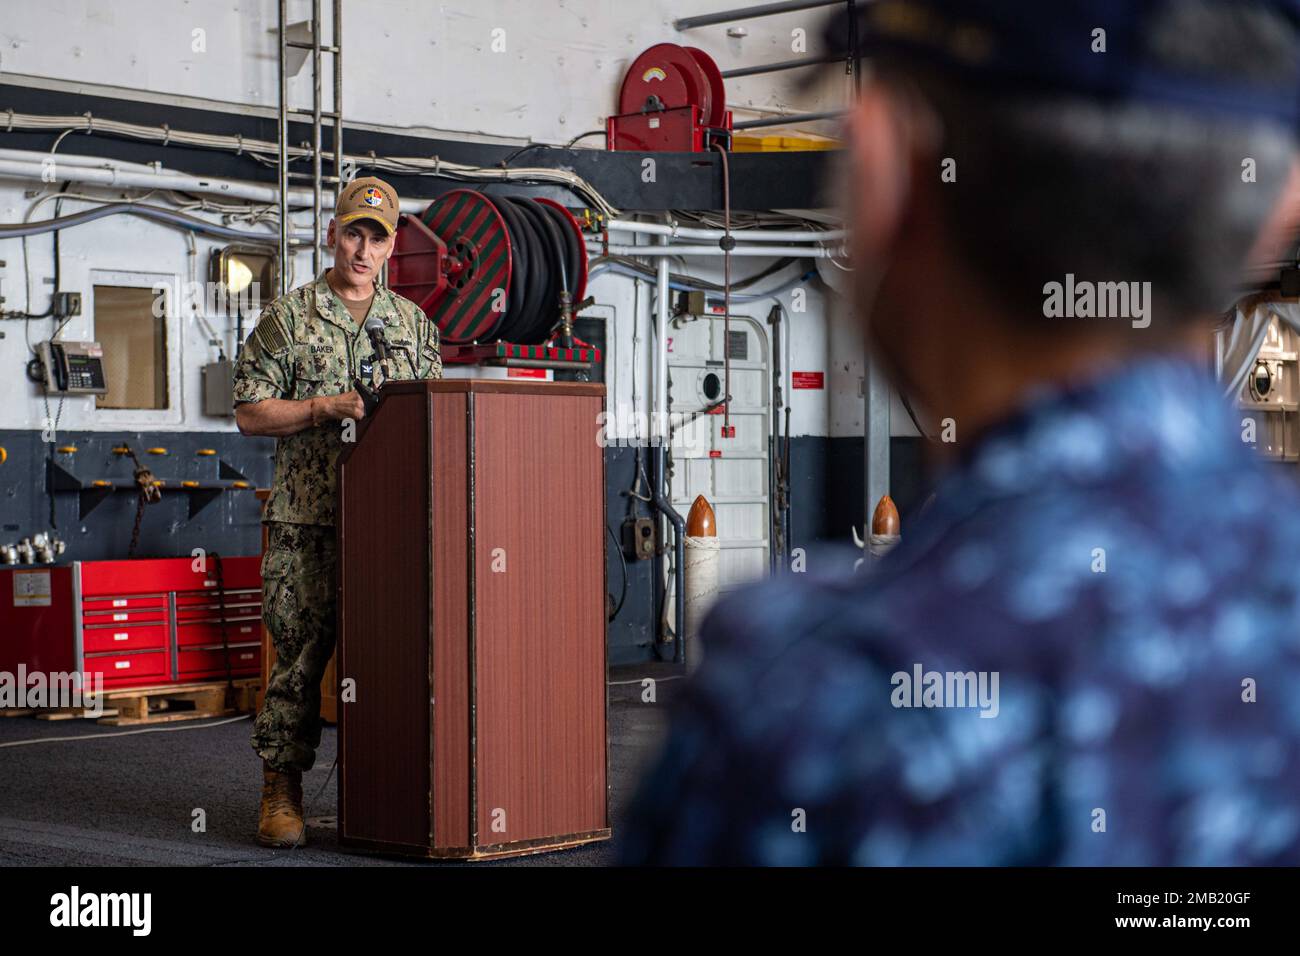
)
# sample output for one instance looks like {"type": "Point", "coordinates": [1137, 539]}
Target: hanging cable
{"type": "Point", "coordinates": [622, 560]}
{"type": "Point", "coordinates": [266, 152]}
{"type": "Point", "coordinates": [15, 230]}
{"type": "Point", "coordinates": [727, 243]}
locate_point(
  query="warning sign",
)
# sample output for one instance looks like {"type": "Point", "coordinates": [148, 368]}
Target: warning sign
{"type": "Point", "coordinates": [31, 589]}
{"type": "Point", "coordinates": [807, 379]}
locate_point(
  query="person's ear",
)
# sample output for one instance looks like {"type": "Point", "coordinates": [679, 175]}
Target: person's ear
{"type": "Point", "coordinates": [330, 234]}
{"type": "Point", "coordinates": [1276, 240]}
{"type": "Point", "coordinates": [880, 166]}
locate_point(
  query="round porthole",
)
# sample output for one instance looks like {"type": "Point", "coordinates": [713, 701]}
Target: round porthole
{"type": "Point", "coordinates": [1261, 381]}
{"type": "Point", "coordinates": [711, 385]}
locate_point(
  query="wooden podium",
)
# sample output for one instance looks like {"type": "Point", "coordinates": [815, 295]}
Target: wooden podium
{"type": "Point", "coordinates": [472, 621]}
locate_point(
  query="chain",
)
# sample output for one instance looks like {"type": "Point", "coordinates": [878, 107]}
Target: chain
{"type": "Point", "coordinates": [149, 494]}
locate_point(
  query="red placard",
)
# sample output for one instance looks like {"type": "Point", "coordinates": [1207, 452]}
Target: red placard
{"type": "Point", "coordinates": [807, 379]}
{"type": "Point", "coordinates": [526, 373]}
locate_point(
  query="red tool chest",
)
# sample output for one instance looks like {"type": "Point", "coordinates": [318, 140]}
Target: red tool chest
{"type": "Point", "coordinates": [137, 623]}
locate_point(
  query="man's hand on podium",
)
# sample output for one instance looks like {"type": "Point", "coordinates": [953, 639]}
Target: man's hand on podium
{"type": "Point", "coordinates": [280, 417]}
{"type": "Point", "coordinates": [340, 407]}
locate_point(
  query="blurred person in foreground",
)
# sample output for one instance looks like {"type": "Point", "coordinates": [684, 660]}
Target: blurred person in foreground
{"type": "Point", "coordinates": [1086, 650]}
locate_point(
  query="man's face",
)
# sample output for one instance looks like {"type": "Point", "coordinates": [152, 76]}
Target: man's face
{"type": "Point", "coordinates": [360, 249]}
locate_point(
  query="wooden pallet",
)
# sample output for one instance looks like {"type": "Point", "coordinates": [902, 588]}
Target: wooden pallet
{"type": "Point", "coordinates": [162, 704]}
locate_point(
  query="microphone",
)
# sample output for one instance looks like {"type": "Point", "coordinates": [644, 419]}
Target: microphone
{"type": "Point", "coordinates": [368, 398]}
{"type": "Point", "coordinates": [375, 328]}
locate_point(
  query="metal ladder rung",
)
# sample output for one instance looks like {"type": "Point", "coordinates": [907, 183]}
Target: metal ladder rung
{"type": "Point", "coordinates": [299, 45]}
{"type": "Point", "coordinates": [324, 179]}
{"type": "Point", "coordinates": [316, 117]}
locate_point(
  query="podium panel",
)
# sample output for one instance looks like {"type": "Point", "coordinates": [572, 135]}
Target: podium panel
{"type": "Point", "coordinates": [472, 641]}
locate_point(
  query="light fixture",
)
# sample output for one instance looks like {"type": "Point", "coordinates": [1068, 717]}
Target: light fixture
{"type": "Point", "coordinates": [245, 276]}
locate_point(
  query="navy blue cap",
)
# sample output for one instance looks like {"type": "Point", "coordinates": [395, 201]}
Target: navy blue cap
{"type": "Point", "coordinates": [1033, 46]}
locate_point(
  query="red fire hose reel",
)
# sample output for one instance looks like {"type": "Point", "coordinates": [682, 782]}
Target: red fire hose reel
{"type": "Point", "coordinates": [513, 270]}
{"type": "Point", "coordinates": [672, 100]}
{"type": "Point", "coordinates": [492, 268]}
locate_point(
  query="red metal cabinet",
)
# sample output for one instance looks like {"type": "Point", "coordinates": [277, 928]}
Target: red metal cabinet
{"type": "Point", "coordinates": [137, 623]}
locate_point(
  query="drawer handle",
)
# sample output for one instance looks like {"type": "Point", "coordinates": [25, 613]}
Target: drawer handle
{"type": "Point", "coordinates": [122, 665]}
{"type": "Point", "coordinates": [120, 617]}
{"type": "Point", "coordinates": [119, 604]}
{"type": "Point", "coordinates": [120, 637]}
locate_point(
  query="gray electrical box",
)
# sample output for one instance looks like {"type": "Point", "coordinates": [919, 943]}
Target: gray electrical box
{"type": "Point", "coordinates": [639, 538]}
{"type": "Point", "coordinates": [218, 389]}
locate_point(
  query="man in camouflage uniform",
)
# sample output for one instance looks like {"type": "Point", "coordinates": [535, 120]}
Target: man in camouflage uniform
{"type": "Point", "coordinates": [295, 381]}
{"type": "Point", "coordinates": [1086, 649]}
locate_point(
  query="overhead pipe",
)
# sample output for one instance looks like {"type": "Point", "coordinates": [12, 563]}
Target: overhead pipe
{"type": "Point", "coordinates": [73, 159]}
{"type": "Point", "coordinates": [750, 235]}
{"type": "Point", "coordinates": [750, 13]}
{"type": "Point", "coordinates": [112, 174]}
{"type": "Point", "coordinates": [678, 286]}
{"type": "Point", "coordinates": [755, 251]}
{"type": "Point", "coordinates": [156, 213]}
{"type": "Point", "coordinates": [403, 165]}
{"type": "Point", "coordinates": [794, 119]}
{"type": "Point", "coordinates": [780, 65]}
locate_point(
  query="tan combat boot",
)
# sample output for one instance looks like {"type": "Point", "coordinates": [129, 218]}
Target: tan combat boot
{"type": "Point", "coordinates": [281, 822]}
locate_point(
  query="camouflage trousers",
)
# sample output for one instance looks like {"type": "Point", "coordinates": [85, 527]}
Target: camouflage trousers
{"type": "Point", "coordinates": [298, 605]}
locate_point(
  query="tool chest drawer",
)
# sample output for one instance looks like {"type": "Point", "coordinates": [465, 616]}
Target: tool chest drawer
{"type": "Point", "coordinates": [117, 578]}
{"type": "Point", "coordinates": [214, 612]}
{"type": "Point", "coordinates": [212, 598]}
{"type": "Point", "coordinates": [195, 662]}
{"type": "Point", "coordinates": [120, 638]}
{"type": "Point", "coordinates": [148, 615]}
{"type": "Point", "coordinates": [148, 667]}
{"type": "Point", "coordinates": [119, 603]}
{"type": "Point", "coordinates": [189, 634]}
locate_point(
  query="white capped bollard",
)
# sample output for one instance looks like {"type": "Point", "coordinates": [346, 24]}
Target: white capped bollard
{"type": "Point", "coordinates": [700, 569]}
{"type": "Point", "coordinates": [884, 529]}
{"type": "Point", "coordinates": [884, 533]}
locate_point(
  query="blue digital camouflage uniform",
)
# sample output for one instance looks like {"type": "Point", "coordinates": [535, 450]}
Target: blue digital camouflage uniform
{"type": "Point", "coordinates": [1148, 713]}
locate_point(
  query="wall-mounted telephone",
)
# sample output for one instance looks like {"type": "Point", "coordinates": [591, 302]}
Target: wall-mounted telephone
{"type": "Point", "coordinates": [73, 368]}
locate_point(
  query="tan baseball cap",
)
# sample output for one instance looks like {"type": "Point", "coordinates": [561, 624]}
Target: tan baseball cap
{"type": "Point", "coordinates": [368, 198]}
